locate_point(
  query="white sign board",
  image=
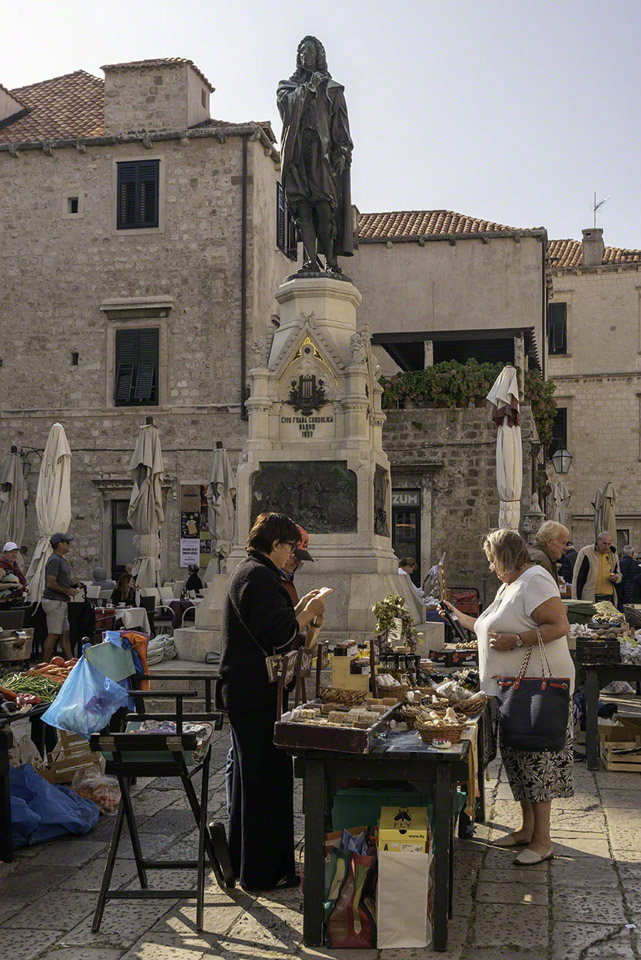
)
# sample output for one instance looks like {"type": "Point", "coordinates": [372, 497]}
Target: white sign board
{"type": "Point", "coordinates": [189, 552]}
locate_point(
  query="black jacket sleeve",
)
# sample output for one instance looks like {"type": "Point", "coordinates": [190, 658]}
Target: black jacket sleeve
{"type": "Point", "coordinates": [582, 577]}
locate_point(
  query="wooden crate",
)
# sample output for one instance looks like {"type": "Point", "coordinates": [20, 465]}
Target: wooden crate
{"type": "Point", "coordinates": [70, 754]}
{"type": "Point", "coordinates": [613, 740]}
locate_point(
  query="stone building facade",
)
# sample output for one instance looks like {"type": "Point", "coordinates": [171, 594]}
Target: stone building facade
{"type": "Point", "coordinates": [595, 361]}
{"type": "Point", "coordinates": [201, 279]}
{"type": "Point", "coordinates": [448, 458]}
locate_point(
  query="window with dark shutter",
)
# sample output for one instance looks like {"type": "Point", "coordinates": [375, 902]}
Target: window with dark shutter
{"type": "Point", "coordinates": [559, 431]}
{"type": "Point", "coordinates": [138, 194]}
{"type": "Point", "coordinates": [286, 230]}
{"type": "Point", "coordinates": [557, 328]}
{"type": "Point", "coordinates": [136, 381]}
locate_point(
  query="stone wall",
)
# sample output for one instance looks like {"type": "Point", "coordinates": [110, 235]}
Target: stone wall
{"type": "Point", "coordinates": [69, 282]}
{"type": "Point", "coordinates": [161, 96]}
{"type": "Point", "coordinates": [599, 382]}
{"type": "Point", "coordinates": [438, 286]}
{"type": "Point", "coordinates": [450, 455]}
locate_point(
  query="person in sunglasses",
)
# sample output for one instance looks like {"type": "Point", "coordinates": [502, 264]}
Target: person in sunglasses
{"type": "Point", "coordinates": [260, 621]}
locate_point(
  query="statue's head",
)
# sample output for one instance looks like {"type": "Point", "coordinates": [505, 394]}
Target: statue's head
{"type": "Point", "coordinates": [311, 56]}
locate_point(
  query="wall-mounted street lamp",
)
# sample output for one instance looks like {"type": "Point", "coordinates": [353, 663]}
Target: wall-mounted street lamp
{"type": "Point", "coordinates": [561, 458]}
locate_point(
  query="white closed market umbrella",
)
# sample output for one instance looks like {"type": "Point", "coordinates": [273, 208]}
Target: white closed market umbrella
{"type": "Point", "coordinates": [560, 501]}
{"type": "Point", "coordinates": [53, 505]}
{"type": "Point", "coordinates": [504, 410]}
{"type": "Point", "coordinates": [609, 510]}
{"type": "Point", "coordinates": [13, 498]}
{"type": "Point", "coordinates": [145, 514]}
{"type": "Point", "coordinates": [220, 506]}
{"type": "Point", "coordinates": [597, 503]}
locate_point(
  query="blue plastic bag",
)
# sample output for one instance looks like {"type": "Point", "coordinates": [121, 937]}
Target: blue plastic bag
{"type": "Point", "coordinates": [42, 811]}
{"type": "Point", "coordinates": [87, 700]}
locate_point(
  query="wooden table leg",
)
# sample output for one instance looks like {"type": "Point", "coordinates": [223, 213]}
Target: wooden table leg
{"type": "Point", "coordinates": [442, 852]}
{"type": "Point", "coordinates": [314, 782]}
{"type": "Point", "coordinates": [6, 842]}
{"type": "Point", "coordinates": [592, 716]}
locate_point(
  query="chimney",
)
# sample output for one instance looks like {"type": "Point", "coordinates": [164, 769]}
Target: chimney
{"type": "Point", "coordinates": [593, 247]}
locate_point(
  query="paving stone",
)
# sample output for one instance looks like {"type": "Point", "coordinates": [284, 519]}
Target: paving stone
{"type": "Point", "coordinates": [511, 874]}
{"type": "Point", "coordinates": [567, 874]}
{"type": "Point", "coordinates": [607, 779]}
{"type": "Point", "coordinates": [85, 953]}
{"type": "Point", "coordinates": [10, 906]}
{"type": "Point", "coordinates": [593, 905]}
{"type": "Point", "coordinates": [173, 820]}
{"type": "Point", "coordinates": [152, 801]}
{"type": "Point", "coordinates": [518, 892]}
{"type": "Point", "coordinates": [31, 880]}
{"type": "Point", "coordinates": [220, 914]}
{"type": "Point", "coordinates": [38, 914]}
{"type": "Point", "coordinates": [520, 927]}
{"type": "Point", "coordinates": [151, 947]}
{"type": "Point", "coordinates": [494, 953]}
{"type": "Point", "coordinates": [14, 943]}
{"type": "Point", "coordinates": [122, 924]}
{"type": "Point", "coordinates": [577, 941]}
{"type": "Point", "coordinates": [582, 845]}
{"type": "Point", "coordinates": [620, 799]}
{"type": "Point", "coordinates": [89, 878]}
{"type": "Point", "coordinates": [68, 852]}
{"type": "Point", "coordinates": [154, 846]}
{"type": "Point", "coordinates": [264, 932]}
{"type": "Point", "coordinates": [326, 953]}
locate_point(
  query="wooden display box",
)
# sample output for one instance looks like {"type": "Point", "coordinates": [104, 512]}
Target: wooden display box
{"type": "Point", "coordinates": [622, 737]}
{"type": "Point", "coordinates": [309, 736]}
{"type": "Point", "coordinates": [70, 754]}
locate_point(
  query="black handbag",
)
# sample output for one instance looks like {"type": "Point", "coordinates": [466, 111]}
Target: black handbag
{"type": "Point", "coordinates": [534, 711]}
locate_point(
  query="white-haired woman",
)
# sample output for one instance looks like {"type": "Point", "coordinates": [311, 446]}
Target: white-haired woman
{"type": "Point", "coordinates": [527, 600]}
{"type": "Point", "coordinates": [550, 541]}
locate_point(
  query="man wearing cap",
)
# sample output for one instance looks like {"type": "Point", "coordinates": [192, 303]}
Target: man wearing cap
{"type": "Point", "coordinates": [15, 587]}
{"type": "Point", "coordinates": [58, 591]}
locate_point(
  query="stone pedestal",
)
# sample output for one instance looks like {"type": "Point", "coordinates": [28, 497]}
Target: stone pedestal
{"type": "Point", "coordinates": [314, 452]}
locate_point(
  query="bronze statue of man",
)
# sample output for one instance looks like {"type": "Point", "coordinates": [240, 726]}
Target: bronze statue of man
{"type": "Point", "coordinates": [316, 157]}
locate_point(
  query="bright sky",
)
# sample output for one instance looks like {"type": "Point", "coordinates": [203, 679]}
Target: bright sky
{"type": "Point", "coordinates": [511, 110]}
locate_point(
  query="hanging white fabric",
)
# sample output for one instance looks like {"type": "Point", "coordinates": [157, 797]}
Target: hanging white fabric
{"type": "Point", "coordinates": [505, 411]}
{"type": "Point", "coordinates": [145, 514]}
{"type": "Point", "coordinates": [53, 505]}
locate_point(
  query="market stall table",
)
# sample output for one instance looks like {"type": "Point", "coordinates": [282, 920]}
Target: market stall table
{"type": "Point", "coordinates": [179, 608]}
{"type": "Point", "coordinates": [401, 756]}
{"type": "Point", "coordinates": [597, 676]}
{"type": "Point", "coordinates": [133, 618]}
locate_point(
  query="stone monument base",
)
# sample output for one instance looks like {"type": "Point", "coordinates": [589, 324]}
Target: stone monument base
{"type": "Point", "coordinates": [348, 612]}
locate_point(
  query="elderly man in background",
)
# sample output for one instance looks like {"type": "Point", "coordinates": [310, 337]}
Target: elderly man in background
{"type": "Point", "coordinates": [550, 541]}
{"type": "Point", "coordinates": [13, 585]}
{"type": "Point", "coordinates": [596, 571]}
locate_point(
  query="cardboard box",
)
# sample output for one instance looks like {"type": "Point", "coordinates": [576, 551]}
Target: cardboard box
{"type": "Point", "coordinates": [404, 830]}
{"type": "Point", "coordinates": [620, 746]}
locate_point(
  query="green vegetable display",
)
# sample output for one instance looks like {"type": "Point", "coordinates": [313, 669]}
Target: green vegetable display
{"type": "Point", "coordinates": [47, 690]}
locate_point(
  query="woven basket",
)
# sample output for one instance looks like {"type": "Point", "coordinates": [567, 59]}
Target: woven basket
{"type": "Point", "coordinates": [409, 715]}
{"type": "Point", "coordinates": [429, 732]}
{"type": "Point", "coordinates": [345, 697]}
{"type": "Point", "coordinates": [473, 706]}
{"type": "Point", "coordinates": [397, 692]}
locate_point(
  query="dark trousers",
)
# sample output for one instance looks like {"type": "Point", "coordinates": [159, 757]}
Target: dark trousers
{"type": "Point", "coordinates": [261, 818]}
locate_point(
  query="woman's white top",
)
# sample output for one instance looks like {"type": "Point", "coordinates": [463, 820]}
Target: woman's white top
{"type": "Point", "coordinates": [511, 612]}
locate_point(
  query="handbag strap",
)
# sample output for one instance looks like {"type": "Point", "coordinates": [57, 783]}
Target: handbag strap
{"type": "Point", "coordinates": [246, 628]}
{"type": "Point", "coordinates": [544, 659]}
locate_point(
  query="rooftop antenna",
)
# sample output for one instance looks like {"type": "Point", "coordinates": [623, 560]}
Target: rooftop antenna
{"type": "Point", "coordinates": [596, 205]}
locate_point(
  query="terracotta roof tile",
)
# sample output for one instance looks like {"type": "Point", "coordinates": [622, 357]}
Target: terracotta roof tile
{"type": "Point", "coordinates": [425, 223]}
{"type": "Point", "coordinates": [567, 255]}
{"type": "Point", "coordinates": [65, 107]}
{"type": "Point", "coordinates": [158, 62]}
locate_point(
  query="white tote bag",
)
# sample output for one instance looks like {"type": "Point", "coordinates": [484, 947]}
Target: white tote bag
{"type": "Point", "coordinates": [402, 918]}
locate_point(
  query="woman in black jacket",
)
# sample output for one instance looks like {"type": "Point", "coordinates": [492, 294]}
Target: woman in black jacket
{"type": "Point", "coordinates": [259, 620]}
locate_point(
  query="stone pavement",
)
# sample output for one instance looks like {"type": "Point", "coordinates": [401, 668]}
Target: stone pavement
{"type": "Point", "coordinates": [584, 905]}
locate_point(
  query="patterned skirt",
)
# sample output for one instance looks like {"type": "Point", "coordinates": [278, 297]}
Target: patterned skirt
{"type": "Point", "coordinates": [537, 777]}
